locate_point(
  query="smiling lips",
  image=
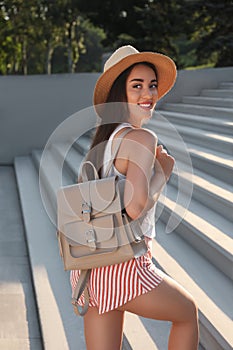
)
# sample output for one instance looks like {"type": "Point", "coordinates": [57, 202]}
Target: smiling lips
{"type": "Point", "coordinates": [145, 105]}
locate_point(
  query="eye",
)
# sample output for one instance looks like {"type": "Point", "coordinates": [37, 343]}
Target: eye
{"type": "Point", "coordinates": [154, 86]}
{"type": "Point", "coordinates": [137, 86]}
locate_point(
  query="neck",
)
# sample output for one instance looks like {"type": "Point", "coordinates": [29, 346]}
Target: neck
{"type": "Point", "coordinates": [135, 123]}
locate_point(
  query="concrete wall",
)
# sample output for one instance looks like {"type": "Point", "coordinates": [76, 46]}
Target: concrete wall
{"type": "Point", "coordinates": [191, 82]}
{"type": "Point", "coordinates": [32, 107]}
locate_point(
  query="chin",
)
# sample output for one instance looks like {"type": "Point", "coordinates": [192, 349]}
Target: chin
{"type": "Point", "coordinates": [147, 118]}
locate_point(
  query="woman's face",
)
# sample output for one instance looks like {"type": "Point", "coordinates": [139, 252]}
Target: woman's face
{"type": "Point", "coordinates": [141, 93]}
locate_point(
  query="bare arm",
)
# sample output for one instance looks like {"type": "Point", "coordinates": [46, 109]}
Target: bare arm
{"type": "Point", "coordinates": [164, 164]}
{"type": "Point", "coordinates": [141, 146]}
{"type": "Point", "coordinates": [149, 168]}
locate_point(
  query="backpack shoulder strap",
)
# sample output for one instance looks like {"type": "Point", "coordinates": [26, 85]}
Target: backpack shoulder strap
{"type": "Point", "coordinates": [114, 154]}
{"type": "Point", "coordinates": [79, 289]}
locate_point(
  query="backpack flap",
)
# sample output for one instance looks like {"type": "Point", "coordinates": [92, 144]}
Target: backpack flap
{"type": "Point", "coordinates": [96, 234]}
{"type": "Point", "coordinates": [102, 195]}
{"type": "Point", "coordinates": [84, 200]}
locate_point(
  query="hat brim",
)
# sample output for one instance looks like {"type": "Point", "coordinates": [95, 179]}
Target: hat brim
{"type": "Point", "coordinates": [165, 67]}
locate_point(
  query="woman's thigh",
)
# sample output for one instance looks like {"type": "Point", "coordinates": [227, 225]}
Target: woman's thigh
{"type": "Point", "coordinates": [169, 301]}
{"type": "Point", "coordinates": [103, 332]}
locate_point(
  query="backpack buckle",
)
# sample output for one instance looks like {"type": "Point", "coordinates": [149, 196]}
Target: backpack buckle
{"type": "Point", "coordinates": [86, 211]}
{"type": "Point", "coordinates": [90, 239]}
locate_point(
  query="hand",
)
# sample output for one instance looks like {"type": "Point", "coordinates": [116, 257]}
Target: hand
{"type": "Point", "coordinates": [164, 163]}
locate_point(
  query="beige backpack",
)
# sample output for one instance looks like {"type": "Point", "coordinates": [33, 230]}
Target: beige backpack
{"type": "Point", "coordinates": [93, 228]}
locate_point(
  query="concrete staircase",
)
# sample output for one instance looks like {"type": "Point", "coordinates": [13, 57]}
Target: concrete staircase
{"type": "Point", "coordinates": [198, 251]}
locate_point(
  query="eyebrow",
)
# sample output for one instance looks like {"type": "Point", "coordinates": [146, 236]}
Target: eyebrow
{"type": "Point", "coordinates": [142, 80]}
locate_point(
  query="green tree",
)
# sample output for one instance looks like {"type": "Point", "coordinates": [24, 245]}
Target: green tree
{"type": "Point", "coordinates": [9, 51]}
{"type": "Point", "coordinates": [213, 31]}
{"type": "Point", "coordinates": [68, 19]}
{"type": "Point", "coordinates": [48, 36]}
{"type": "Point", "coordinates": [32, 32]}
{"type": "Point", "coordinates": [160, 24]}
{"type": "Point", "coordinates": [91, 59]}
{"type": "Point", "coordinates": [19, 32]}
{"type": "Point", "coordinates": [49, 32]}
{"type": "Point", "coordinates": [146, 24]}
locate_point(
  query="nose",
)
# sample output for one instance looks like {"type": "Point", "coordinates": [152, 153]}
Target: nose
{"type": "Point", "coordinates": [147, 93]}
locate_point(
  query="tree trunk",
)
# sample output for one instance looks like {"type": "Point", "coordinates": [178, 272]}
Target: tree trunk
{"type": "Point", "coordinates": [50, 50]}
{"type": "Point", "coordinates": [69, 49]}
{"type": "Point", "coordinates": [25, 68]}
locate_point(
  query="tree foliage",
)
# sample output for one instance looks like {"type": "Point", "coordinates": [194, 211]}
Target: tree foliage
{"type": "Point", "coordinates": [148, 24]}
{"type": "Point", "coordinates": [213, 31]}
{"type": "Point", "coordinates": [35, 32]}
{"type": "Point", "coordinates": [42, 36]}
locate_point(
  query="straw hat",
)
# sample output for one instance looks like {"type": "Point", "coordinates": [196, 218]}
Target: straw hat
{"type": "Point", "coordinates": [123, 58]}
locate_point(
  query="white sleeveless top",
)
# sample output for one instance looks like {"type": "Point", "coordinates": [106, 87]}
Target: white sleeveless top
{"type": "Point", "coordinates": [148, 222]}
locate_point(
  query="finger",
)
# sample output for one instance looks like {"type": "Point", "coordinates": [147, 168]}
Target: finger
{"type": "Point", "coordinates": [159, 149]}
{"type": "Point", "coordinates": [162, 154]}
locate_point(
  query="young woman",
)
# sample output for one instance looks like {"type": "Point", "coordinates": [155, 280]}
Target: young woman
{"type": "Point", "coordinates": [131, 85]}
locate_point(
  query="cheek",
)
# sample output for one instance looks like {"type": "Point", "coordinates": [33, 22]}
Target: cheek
{"type": "Point", "coordinates": [132, 96]}
{"type": "Point", "coordinates": [155, 95]}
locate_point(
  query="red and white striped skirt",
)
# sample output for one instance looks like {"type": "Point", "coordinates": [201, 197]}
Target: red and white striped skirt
{"type": "Point", "coordinates": [112, 286]}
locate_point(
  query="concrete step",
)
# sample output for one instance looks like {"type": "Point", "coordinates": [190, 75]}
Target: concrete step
{"type": "Point", "coordinates": [209, 233]}
{"type": "Point", "coordinates": [82, 145]}
{"type": "Point", "coordinates": [206, 123]}
{"type": "Point", "coordinates": [204, 159]}
{"type": "Point", "coordinates": [85, 141]}
{"type": "Point", "coordinates": [19, 324]}
{"type": "Point", "coordinates": [206, 189]}
{"type": "Point", "coordinates": [72, 159]}
{"type": "Point", "coordinates": [209, 101]}
{"type": "Point", "coordinates": [209, 111]}
{"type": "Point", "coordinates": [197, 136]}
{"type": "Point", "coordinates": [212, 162]}
{"type": "Point", "coordinates": [49, 169]}
{"type": "Point", "coordinates": [61, 328]}
{"type": "Point", "coordinates": [226, 85]}
{"type": "Point", "coordinates": [208, 161]}
{"type": "Point", "coordinates": [211, 288]}
{"type": "Point", "coordinates": [215, 193]}
{"type": "Point", "coordinates": [225, 93]}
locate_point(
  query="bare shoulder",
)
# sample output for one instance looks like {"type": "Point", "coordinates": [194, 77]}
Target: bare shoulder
{"type": "Point", "coordinates": [151, 132]}
{"type": "Point", "coordinates": [144, 137]}
{"type": "Point", "coordinates": [134, 148]}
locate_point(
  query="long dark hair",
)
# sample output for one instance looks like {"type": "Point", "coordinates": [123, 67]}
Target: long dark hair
{"type": "Point", "coordinates": [111, 111]}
